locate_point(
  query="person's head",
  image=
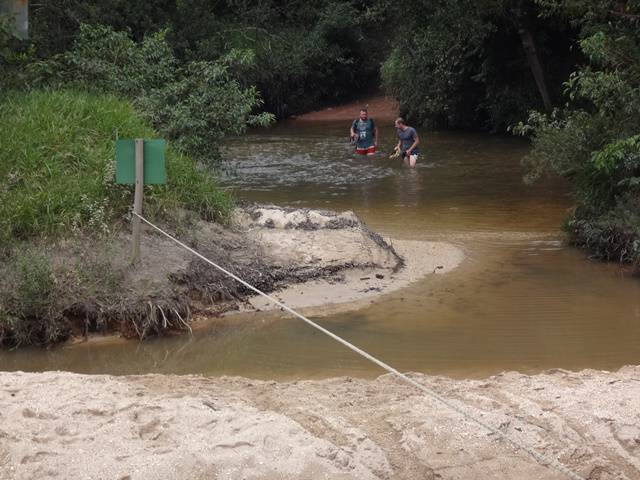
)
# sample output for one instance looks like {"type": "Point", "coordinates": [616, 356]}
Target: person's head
{"type": "Point", "coordinates": [400, 123]}
{"type": "Point", "coordinates": [364, 113]}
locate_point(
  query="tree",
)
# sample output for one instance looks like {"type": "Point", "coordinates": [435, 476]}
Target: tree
{"type": "Point", "coordinates": [524, 15]}
{"type": "Point", "coordinates": [478, 64]}
{"type": "Point", "coordinates": [594, 140]}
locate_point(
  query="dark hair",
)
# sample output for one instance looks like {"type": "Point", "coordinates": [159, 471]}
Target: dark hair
{"type": "Point", "coordinates": [364, 109]}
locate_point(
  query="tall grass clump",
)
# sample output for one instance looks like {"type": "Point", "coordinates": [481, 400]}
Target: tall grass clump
{"type": "Point", "coordinates": [30, 302]}
{"type": "Point", "coordinates": [57, 168]}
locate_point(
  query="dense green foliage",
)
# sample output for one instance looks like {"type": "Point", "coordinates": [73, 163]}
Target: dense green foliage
{"type": "Point", "coordinates": [595, 139]}
{"type": "Point", "coordinates": [57, 162]}
{"type": "Point", "coordinates": [54, 24]}
{"type": "Point", "coordinates": [306, 54]}
{"type": "Point", "coordinates": [453, 64]}
{"type": "Point", "coordinates": [194, 104]}
{"type": "Point", "coordinates": [463, 64]}
{"type": "Point", "coordinates": [301, 54]}
{"type": "Point", "coordinates": [471, 64]}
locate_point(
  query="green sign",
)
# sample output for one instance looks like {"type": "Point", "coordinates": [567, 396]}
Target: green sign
{"type": "Point", "coordinates": [155, 171]}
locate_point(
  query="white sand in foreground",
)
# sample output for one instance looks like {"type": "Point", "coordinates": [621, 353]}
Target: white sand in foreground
{"type": "Point", "coordinates": [67, 426]}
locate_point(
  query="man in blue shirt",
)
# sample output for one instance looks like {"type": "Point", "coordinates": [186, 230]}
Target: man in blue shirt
{"type": "Point", "coordinates": [364, 134]}
{"type": "Point", "coordinates": [408, 142]}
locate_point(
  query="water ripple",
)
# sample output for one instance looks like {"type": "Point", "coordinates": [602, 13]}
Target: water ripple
{"type": "Point", "coordinates": [270, 164]}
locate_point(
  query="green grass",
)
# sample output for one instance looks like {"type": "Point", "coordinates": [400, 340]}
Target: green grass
{"type": "Point", "coordinates": [57, 152]}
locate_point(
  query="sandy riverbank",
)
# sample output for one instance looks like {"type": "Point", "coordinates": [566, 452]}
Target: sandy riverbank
{"type": "Point", "coordinates": [358, 287]}
{"type": "Point", "coordinates": [62, 425]}
{"type": "Point", "coordinates": [328, 262]}
{"type": "Point", "coordinates": [310, 258]}
{"type": "Point", "coordinates": [380, 107]}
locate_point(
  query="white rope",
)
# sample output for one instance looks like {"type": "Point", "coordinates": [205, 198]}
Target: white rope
{"type": "Point", "coordinates": [537, 456]}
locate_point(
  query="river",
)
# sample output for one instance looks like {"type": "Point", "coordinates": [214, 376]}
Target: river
{"type": "Point", "coordinates": [522, 299]}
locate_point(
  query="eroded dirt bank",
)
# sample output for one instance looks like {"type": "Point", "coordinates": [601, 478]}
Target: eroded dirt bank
{"type": "Point", "coordinates": [332, 256]}
{"type": "Point", "coordinates": [317, 260]}
{"type": "Point", "coordinates": [62, 425]}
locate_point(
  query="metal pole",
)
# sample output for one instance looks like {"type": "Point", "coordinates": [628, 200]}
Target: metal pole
{"type": "Point", "coordinates": [137, 199]}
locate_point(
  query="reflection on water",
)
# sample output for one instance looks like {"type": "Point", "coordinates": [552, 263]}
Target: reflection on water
{"type": "Point", "coordinates": [521, 300]}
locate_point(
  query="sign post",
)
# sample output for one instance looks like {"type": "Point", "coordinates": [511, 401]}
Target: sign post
{"type": "Point", "coordinates": [137, 199]}
{"type": "Point", "coordinates": [139, 162]}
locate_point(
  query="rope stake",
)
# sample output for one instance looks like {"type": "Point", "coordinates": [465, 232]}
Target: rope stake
{"type": "Point", "coordinates": [541, 459]}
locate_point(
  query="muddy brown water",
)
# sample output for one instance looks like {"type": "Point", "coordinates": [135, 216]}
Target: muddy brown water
{"type": "Point", "coordinates": [522, 299]}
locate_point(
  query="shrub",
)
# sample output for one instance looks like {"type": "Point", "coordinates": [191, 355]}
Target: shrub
{"type": "Point", "coordinates": [594, 140]}
{"type": "Point", "coordinates": [305, 55]}
{"type": "Point", "coordinates": [196, 104]}
{"type": "Point", "coordinates": [201, 107]}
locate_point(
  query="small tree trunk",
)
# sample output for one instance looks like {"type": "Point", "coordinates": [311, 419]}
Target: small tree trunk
{"type": "Point", "coordinates": [529, 45]}
{"type": "Point", "coordinates": [19, 10]}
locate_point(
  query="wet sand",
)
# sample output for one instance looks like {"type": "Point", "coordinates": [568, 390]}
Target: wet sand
{"type": "Point", "coordinates": [353, 264]}
{"type": "Point", "coordinates": [380, 107]}
{"type": "Point", "coordinates": [359, 287]}
{"type": "Point", "coordinates": [63, 425]}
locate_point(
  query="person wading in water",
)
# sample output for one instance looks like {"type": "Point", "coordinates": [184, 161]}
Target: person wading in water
{"type": "Point", "coordinates": [408, 142]}
{"type": "Point", "coordinates": [364, 134]}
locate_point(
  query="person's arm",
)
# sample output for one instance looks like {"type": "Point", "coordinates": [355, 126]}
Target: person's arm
{"type": "Point", "coordinates": [416, 142]}
{"type": "Point", "coordinates": [352, 132]}
{"type": "Point", "coordinates": [374, 127]}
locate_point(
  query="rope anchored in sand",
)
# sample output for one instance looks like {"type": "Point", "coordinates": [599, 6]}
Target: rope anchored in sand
{"type": "Point", "coordinates": [543, 460]}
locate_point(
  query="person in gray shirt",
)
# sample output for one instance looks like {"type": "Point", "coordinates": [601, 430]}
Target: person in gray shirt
{"type": "Point", "coordinates": [408, 142]}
